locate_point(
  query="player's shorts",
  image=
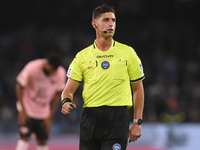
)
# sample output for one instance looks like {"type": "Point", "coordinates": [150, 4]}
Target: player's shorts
{"type": "Point", "coordinates": [104, 128]}
{"type": "Point", "coordinates": [33, 126]}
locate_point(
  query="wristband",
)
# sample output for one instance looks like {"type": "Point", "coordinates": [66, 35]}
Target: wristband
{"type": "Point", "coordinates": [66, 100]}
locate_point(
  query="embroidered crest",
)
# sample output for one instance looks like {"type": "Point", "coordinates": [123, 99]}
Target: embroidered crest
{"type": "Point", "coordinates": [116, 146]}
{"type": "Point", "coordinates": [105, 65]}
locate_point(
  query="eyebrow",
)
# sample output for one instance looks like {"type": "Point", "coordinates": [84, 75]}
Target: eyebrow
{"type": "Point", "coordinates": [109, 18]}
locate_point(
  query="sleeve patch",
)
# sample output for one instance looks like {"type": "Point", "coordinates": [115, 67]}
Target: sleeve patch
{"type": "Point", "coordinates": [69, 72]}
{"type": "Point", "coordinates": [141, 69]}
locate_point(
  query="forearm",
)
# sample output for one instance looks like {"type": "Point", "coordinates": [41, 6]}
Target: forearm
{"type": "Point", "coordinates": [69, 89]}
{"type": "Point", "coordinates": [19, 94]}
{"type": "Point", "coordinates": [138, 101]}
{"type": "Point", "coordinates": [55, 104]}
{"type": "Point", "coordinates": [67, 94]}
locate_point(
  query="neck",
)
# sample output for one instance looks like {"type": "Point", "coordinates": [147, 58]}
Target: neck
{"type": "Point", "coordinates": [103, 44]}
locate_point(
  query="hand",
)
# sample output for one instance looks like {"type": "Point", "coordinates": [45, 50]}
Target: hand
{"type": "Point", "coordinates": [22, 117]}
{"type": "Point", "coordinates": [135, 132]}
{"type": "Point", "coordinates": [66, 108]}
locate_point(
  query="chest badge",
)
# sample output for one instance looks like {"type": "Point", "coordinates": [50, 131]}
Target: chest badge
{"type": "Point", "coordinates": [105, 65]}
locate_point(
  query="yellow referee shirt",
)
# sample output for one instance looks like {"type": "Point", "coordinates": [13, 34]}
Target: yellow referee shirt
{"type": "Point", "coordinates": [107, 74]}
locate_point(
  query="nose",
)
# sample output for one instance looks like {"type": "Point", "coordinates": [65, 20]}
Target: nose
{"type": "Point", "coordinates": [111, 23]}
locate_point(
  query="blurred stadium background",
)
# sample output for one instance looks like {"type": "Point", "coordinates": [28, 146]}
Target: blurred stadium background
{"type": "Point", "coordinates": [164, 33]}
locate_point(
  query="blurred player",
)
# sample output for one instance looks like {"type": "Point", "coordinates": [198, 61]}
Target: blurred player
{"type": "Point", "coordinates": [38, 84]}
{"type": "Point", "coordinates": [107, 68]}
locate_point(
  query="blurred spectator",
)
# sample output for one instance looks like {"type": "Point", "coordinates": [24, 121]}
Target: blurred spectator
{"type": "Point", "coordinates": [172, 112]}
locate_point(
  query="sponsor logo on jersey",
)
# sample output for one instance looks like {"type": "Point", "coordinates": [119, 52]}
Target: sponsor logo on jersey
{"type": "Point", "coordinates": [69, 72]}
{"type": "Point", "coordinates": [105, 56]}
{"type": "Point", "coordinates": [105, 65]}
{"type": "Point", "coordinates": [116, 146]}
{"type": "Point", "coordinates": [90, 67]}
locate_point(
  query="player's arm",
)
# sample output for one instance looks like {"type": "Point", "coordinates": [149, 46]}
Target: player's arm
{"type": "Point", "coordinates": [55, 102]}
{"type": "Point", "coordinates": [135, 130]}
{"type": "Point", "coordinates": [22, 114]}
{"type": "Point", "coordinates": [67, 95]}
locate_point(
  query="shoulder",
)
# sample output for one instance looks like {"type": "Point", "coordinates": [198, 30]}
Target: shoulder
{"type": "Point", "coordinates": [37, 62]}
{"type": "Point", "coordinates": [85, 51]}
{"type": "Point", "coordinates": [61, 70]}
{"type": "Point", "coordinates": [84, 54]}
{"type": "Point", "coordinates": [118, 44]}
{"type": "Point", "coordinates": [124, 48]}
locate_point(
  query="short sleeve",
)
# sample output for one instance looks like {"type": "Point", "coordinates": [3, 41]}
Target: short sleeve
{"type": "Point", "coordinates": [62, 78]}
{"type": "Point", "coordinates": [135, 68]}
{"type": "Point", "coordinates": [23, 76]}
{"type": "Point", "coordinates": [74, 71]}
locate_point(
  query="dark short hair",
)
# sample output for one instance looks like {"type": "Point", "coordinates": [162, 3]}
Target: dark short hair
{"type": "Point", "coordinates": [54, 59]}
{"type": "Point", "coordinates": [98, 11]}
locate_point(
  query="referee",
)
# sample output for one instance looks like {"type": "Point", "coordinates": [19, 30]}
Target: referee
{"type": "Point", "coordinates": [108, 68]}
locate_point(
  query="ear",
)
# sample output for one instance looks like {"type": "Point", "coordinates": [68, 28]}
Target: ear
{"type": "Point", "coordinates": [93, 23]}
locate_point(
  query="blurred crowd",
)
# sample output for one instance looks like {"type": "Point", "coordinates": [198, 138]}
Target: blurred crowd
{"type": "Point", "coordinates": [165, 35]}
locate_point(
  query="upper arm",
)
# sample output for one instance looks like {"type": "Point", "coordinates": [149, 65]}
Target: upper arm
{"type": "Point", "coordinates": [25, 74]}
{"type": "Point", "coordinates": [18, 87]}
{"type": "Point", "coordinates": [137, 86]}
{"type": "Point", "coordinates": [70, 88]}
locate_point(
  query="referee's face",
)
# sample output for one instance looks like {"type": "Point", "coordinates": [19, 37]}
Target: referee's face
{"type": "Point", "coordinates": [107, 22]}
